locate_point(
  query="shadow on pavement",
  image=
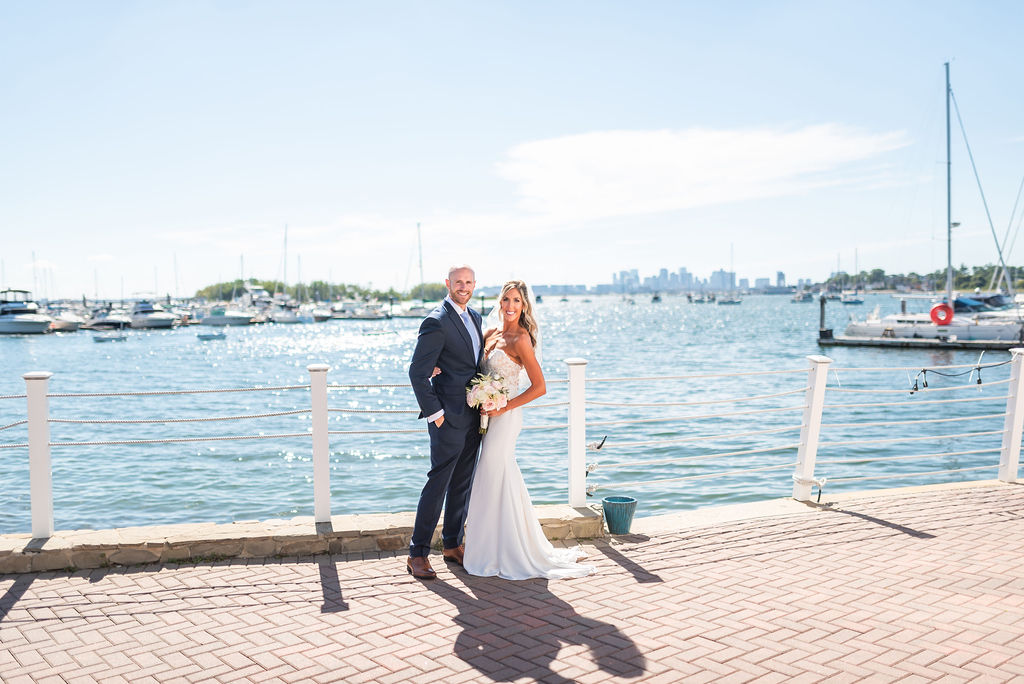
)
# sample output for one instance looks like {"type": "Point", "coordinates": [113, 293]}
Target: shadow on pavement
{"type": "Point", "coordinates": [879, 521]}
{"type": "Point", "coordinates": [639, 573]}
{"type": "Point", "coordinates": [14, 594]}
{"type": "Point", "coordinates": [512, 630]}
{"type": "Point", "coordinates": [330, 586]}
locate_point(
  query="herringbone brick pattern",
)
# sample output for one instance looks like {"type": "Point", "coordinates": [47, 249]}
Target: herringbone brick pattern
{"type": "Point", "coordinates": [918, 587]}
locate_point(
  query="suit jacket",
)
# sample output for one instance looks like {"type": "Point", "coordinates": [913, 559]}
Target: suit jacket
{"type": "Point", "coordinates": [444, 342]}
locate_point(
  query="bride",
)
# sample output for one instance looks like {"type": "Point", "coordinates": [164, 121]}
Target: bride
{"type": "Point", "coordinates": [503, 536]}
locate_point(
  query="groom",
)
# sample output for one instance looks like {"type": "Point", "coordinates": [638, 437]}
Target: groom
{"type": "Point", "coordinates": [451, 339]}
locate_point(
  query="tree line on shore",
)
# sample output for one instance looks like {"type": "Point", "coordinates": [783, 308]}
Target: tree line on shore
{"type": "Point", "coordinates": [964, 278]}
{"type": "Point", "coordinates": [319, 290]}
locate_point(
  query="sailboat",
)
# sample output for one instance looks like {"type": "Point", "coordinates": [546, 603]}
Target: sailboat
{"type": "Point", "coordinates": [853, 296]}
{"type": "Point", "coordinates": [732, 297]}
{"type": "Point", "coordinates": [952, 320]}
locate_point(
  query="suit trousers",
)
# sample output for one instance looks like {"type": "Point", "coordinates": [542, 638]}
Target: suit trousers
{"type": "Point", "coordinates": [453, 453]}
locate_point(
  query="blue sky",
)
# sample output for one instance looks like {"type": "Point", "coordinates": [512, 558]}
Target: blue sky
{"type": "Point", "coordinates": [167, 145]}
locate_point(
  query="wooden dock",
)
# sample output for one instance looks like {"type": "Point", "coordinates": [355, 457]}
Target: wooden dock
{"type": "Point", "coordinates": [827, 339]}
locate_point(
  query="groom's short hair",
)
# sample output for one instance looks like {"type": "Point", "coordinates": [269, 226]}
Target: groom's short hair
{"type": "Point", "coordinates": [467, 267]}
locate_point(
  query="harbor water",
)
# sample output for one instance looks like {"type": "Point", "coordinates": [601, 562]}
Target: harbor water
{"type": "Point", "coordinates": [376, 471]}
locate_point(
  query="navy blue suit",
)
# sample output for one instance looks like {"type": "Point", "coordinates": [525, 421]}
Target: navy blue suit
{"type": "Point", "coordinates": [444, 342]}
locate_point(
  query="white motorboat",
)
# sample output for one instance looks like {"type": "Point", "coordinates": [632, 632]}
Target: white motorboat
{"type": "Point", "coordinates": [19, 315]}
{"type": "Point", "coordinates": [286, 314]}
{"type": "Point", "coordinates": [146, 314]}
{"type": "Point", "coordinates": [220, 315]}
{"type": "Point", "coordinates": [65, 321]}
{"type": "Point", "coordinates": [108, 318]}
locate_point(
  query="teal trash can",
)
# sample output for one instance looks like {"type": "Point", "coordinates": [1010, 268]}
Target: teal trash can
{"type": "Point", "coordinates": [618, 513]}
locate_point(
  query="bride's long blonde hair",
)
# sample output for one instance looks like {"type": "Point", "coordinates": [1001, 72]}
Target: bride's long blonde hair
{"type": "Point", "coordinates": [526, 318]}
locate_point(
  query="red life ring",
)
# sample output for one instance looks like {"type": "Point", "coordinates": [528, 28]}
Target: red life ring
{"type": "Point", "coordinates": [942, 314]}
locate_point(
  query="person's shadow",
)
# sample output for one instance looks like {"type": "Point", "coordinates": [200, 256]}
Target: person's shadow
{"type": "Point", "coordinates": [515, 629]}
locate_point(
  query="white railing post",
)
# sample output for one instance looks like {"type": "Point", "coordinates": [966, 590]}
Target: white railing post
{"type": "Point", "coordinates": [1009, 456]}
{"type": "Point", "coordinates": [577, 432]}
{"type": "Point", "coordinates": [39, 471]}
{"type": "Point", "coordinates": [810, 429]}
{"type": "Point", "coordinates": [321, 444]}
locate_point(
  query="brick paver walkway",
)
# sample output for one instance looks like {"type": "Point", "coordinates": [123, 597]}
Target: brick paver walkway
{"type": "Point", "coordinates": [916, 587]}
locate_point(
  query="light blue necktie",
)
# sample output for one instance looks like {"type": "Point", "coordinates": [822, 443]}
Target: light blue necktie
{"type": "Point", "coordinates": [472, 334]}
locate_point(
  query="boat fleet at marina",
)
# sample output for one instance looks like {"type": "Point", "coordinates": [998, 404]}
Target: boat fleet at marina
{"type": "Point", "coordinates": [20, 314]}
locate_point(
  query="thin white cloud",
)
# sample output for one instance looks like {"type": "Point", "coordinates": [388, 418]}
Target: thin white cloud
{"type": "Point", "coordinates": [99, 258]}
{"type": "Point", "coordinates": [617, 173]}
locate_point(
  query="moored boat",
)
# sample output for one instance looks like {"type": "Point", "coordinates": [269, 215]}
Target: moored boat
{"type": "Point", "coordinates": [146, 314]}
{"type": "Point", "coordinates": [19, 314]}
{"type": "Point", "coordinates": [221, 315]}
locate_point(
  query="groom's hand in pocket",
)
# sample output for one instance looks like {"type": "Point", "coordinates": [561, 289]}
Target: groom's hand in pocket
{"type": "Point", "coordinates": [439, 422]}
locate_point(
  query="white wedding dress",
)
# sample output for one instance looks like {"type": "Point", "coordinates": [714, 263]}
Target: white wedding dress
{"type": "Point", "coordinates": [503, 536]}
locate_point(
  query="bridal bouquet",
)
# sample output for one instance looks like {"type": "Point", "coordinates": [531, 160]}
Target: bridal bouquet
{"type": "Point", "coordinates": [488, 393]}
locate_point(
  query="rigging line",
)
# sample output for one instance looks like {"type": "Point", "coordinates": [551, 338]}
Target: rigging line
{"type": "Point", "coordinates": [1020, 220]}
{"type": "Point", "coordinates": [984, 202]}
{"type": "Point", "coordinates": [1009, 227]}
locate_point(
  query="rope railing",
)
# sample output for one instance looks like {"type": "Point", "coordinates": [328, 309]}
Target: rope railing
{"type": "Point", "coordinates": [902, 369]}
{"type": "Point", "coordinates": [728, 473]}
{"type": "Point", "coordinates": [888, 440]}
{"type": "Point", "coordinates": [686, 459]}
{"type": "Point", "coordinates": [891, 423]}
{"type": "Point", "coordinates": [664, 419]}
{"type": "Point", "coordinates": [1000, 397]}
{"type": "Point", "coordinates": [146, 421]}
{"type": "Point", "coordinates": [179, 440]}
{"type": "Point", "coordinates": [734, 400]}
{"type": "Point", "coordinates": [865, 478]}
{"type": "Point", "coordinates": [704, 376]}
{"type": "Point", "coordinates": [705, 438]}
{"type": "Point", "coordinates": [13, 425]}
{"type": "Point", "coordinates": [13, 396]}
{"type": "Point", "coordinates": [157, 393]}
{"type": "Point", "coordinates": [916, 391]}
{"type": "Point", "coordinates": [914, 457]}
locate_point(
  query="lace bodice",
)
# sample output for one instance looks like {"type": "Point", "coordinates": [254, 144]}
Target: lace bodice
{"type": "Point", "coordinates": [500, 363]}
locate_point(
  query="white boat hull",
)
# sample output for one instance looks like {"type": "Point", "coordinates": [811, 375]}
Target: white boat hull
{"type": "Point", "coordinates": [155, 320]}
{"type": "Point", "coordinates": [227, 319]}
{"type": "Point", "coordinates": [24, 324]}
{"type": "Point", "coordinates": [921, 326]}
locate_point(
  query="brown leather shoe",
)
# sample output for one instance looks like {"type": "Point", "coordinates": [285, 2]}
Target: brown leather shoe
{"type": "Point", "coordinates": [419, 567]}
{"type": "Point", "coordinates": [455, 554]}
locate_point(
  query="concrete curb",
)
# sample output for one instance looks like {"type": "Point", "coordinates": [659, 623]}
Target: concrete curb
{"type": "Point", "coordinates": [191, 542]}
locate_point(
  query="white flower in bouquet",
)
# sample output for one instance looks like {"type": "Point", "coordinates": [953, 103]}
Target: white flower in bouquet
{"type": "Point", "coordinates": [488, 393]}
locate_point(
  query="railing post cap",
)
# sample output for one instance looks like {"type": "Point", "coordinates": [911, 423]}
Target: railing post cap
{"type": "Point", "coordinates": [37, 375]}
{"type": "Point", "coordinates": [318, 368]}
{"type": "Point", "coordinates": [576, 361]}
{"type": "Point", "coordinates": [817, 358]}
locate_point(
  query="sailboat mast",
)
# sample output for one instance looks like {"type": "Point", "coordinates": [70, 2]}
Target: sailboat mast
{"type": "Point", "coordinates": [419, 243]}
{"type": "Point", "coordinates": [949, 203]}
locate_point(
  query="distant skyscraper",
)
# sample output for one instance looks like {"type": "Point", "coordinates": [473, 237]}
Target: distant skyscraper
{"type": "Point", "coordinates": [780, 279]}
